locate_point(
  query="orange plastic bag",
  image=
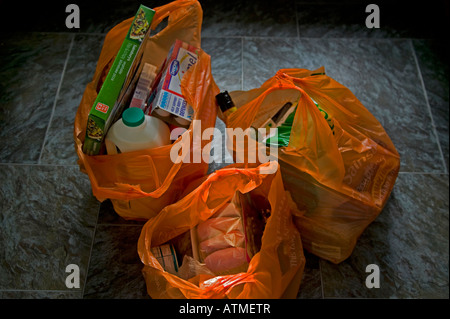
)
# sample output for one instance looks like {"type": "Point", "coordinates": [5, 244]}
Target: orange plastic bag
{"type": "Point", "coordinates": [273, 272]}
{"type": "Point", "coordinates": [141, 183]}
{"type": "Point", "coordinates": [340, 165]}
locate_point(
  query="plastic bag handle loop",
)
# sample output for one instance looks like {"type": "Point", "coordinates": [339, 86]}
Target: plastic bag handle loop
{"type": "Point", "coordinates": [300, 140]}
{"type": "Point", "coordinates": [135, 192]}
{"type": "Point", "coordinates": [284, 83]}
{"type": "Point", "coordinates": [161, 13]}
{"type": "Point", "coordinates": [179, 12]}
{"type": "Point", "coordinates": [221, 285]}
{"type": "Point", "coordinates": [164, 11]}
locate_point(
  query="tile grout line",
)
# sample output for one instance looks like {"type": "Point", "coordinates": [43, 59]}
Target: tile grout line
{"type": "Point", "coordinates": [424, 173]}
{"type": "Point", "coordinates": [262, 37]}
{"type": "Point", "coordinates": [242, 63]}
{"type": "Point", "coordinates": [321, 279]}
{"type": "Point", "coordinates": [90, 253]}
{"type": "Point", "coordinates": [56, 98]}
{"type": "Point", "coordinates": [67, 33]}
{"type": "Point", "coordinates": [120, 225]}
{"type": "Point", "coordinates": [76, 292]}
{"type": "Point", "coordinates": [37, 164]}
{"type": "Point", "coordinates": [433, 125]}
{"type": "Point", "coordinates": [297, 24]}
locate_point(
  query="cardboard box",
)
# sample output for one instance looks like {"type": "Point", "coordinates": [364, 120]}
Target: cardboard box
{"type": "Point", "coordinates": [167, 95]}
{"type": "Point", "coordinates": [143, 86]}
{"type": "Point", "coordinates": [107, 105]}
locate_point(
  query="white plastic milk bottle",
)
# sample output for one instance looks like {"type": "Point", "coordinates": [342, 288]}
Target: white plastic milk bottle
{"type": "Point", "coordinates": [136, 131]}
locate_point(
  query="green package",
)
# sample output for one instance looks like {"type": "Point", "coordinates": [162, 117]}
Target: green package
{"type": "Point", "coordinates": [284, 130]}
{"type": "Point", "coordinates": [105, 107]}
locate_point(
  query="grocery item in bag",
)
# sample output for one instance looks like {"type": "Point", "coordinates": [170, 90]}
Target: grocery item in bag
{"type": "Point", "coordinates": [275, 268]}
{"type": "Point", "coordinates": [136, 131]}
{"type": "Point", "coordinates": [141, 183]}
{"type": "Point", "coordinates": [284, 132]}
{"type": "Point", "coordinates": [225, 103]}
{"type": "Point", "coordinates": [142, 91]}
{"type": "Point", "coordinates": [336, 159]}
{"type": "Point", "coordinates": [232, 259]}
{"type": "Point", "coordinates": [220, 242]}
{"type": "Point", "coordinates": [105, 108]}
{"type": "Point", "coordinates": [167, 257]}
{"type": "Point", "coordinates": [167, 96]}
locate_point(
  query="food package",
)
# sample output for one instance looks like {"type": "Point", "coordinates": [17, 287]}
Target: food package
{"type": "Point", "coordinates": [228, 240]}
{"type": "Point", "coordinates": [106, 107]}
{"type": "Point", "coordinates": [166, 100]}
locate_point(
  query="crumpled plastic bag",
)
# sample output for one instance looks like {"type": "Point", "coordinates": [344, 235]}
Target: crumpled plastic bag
{"type": "Point", "coordinates": [275, 271]}
{"type": "Point", "coordinates": [340, 165]}
{"type": "Point", "coordinates": [141, 183]}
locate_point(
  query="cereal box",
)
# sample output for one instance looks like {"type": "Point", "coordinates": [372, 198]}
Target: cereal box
{"type": "Point", "coordinates": [105, 107]}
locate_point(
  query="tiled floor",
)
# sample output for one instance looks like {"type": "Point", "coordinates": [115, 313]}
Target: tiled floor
{"type": "Point", "coordinates": [49, 218]}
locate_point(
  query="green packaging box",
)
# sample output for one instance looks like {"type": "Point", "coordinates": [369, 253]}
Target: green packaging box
{"type": "Point", "coordinates": [106, 107]}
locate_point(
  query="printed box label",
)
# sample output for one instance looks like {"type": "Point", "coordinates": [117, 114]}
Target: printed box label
{"type": "Point", "coordinates": [102, 107]}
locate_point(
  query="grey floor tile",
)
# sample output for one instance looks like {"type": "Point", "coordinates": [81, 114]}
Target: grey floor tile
{"type": "Point", "coordinates": [112, 13]}
{"type": "Point", "coordinates": [311, 285]}
{"type": "Point", "coordinates": [39, 294]}
{"type": "Point", "coordinates": [266, 18]}
{"type": "Point", "coordinates": [59, 143]}
{"type": "Point", "coordinates": [335, 20]}
{"type": "Point", "coordinates": [226, 61]}
{"type": "Point", "coordinates": [408, 242]}
{"type": "Point", "coordinates": [41, 17]}
{"type": "Point", "coordinates": [221, 18]}
{"type": "Point", "coordinates": [262, 58]}
{"type": "Point", "coordinates": [381, 73]}
{"type": "Point", "coordinates": [95, 17]}
{"type": "Point", "coordinates": [115, 267]}
{"type": "Point", "coordinates": [30, 72]}
{"type": "Point", "coordinates": [47, 222]}
{"type": "Point", "coordinates": [108, 216]}
{"type": "Point", "coordinates": [249, 18]}
{"type": "Point", "coordinates": [347, 19]}
{"type": "Point", "coordinates": [432, 57]}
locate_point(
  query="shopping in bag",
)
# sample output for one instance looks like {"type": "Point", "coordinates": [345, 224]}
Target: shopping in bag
{"type": "Point", "coordinates": [262, 256]}
{"type": "Point", "coordinates": [141, 183]}
{"type": "Point", "coordinates": [339, 164]}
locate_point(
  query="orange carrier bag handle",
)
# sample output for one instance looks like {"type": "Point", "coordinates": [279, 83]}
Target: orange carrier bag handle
{"type": "Point", "coordinates": [313, 146]}
{"type": "Point", "coordinates": [106, 172]}
{"type": "Point", "coordinates": [310, 140]}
